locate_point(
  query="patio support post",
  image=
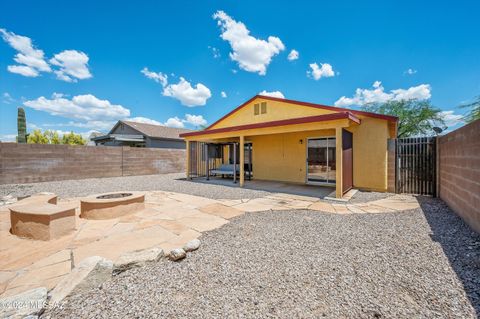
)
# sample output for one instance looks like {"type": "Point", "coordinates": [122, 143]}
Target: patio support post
{"type": "Point", "coordinates": [242, 160]}
{"type": "Point", "coordinates": [234, 162]}
{"type": "Point", "coordinates": [207, 172]}
{"type": "Point", "coordinates": [338, 164]}
{"type": "Point", "coordinates": [187, 169]}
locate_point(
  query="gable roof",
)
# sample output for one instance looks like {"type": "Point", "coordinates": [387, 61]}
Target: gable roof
{"type": "Point", "coordinates": [319, 106]}
{"type": "Point", "coordinates": [154, 131]}
{"type": "Point", "coordinates": [298, 120]}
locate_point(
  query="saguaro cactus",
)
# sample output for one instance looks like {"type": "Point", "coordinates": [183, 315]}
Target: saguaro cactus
{"type": "Point", "coordinates": [22, 126]}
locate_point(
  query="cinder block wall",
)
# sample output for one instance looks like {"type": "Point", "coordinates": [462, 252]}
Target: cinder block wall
{"type": "Point", "coordinates": [459, 172]}
{"type": "Point", "coordinates": [31, 163]}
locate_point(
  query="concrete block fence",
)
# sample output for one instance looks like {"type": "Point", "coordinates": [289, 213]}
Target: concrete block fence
{"type": "Point", "coordinates": [31, 163]}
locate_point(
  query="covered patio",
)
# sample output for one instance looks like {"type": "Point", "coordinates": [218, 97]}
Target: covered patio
{"type": "Point", "coordinates": [283, 154]}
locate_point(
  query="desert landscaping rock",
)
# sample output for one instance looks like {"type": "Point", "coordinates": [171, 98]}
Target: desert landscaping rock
{"type": "Point", "coordinates": [177, 254]}
{"type": "Point", "coordinates": [28, 303]}
{"type": "Point", "coordinates": [90, 273]}
{"type": "Point", "coordinates": [174, 182]}
{"type": "Point", "coordinates": [136, 259]}
{"type": "Point", "coordinates": [192, 245]}
{"type": "Point", "coordinates": [307, 264]}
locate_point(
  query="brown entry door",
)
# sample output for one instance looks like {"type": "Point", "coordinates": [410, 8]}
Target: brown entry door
{"type": "Point", "coordinates": [347, 160]}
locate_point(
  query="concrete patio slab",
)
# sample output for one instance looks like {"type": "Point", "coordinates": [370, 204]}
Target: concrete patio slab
{"type": "Point", "coordinates": [221, 210]}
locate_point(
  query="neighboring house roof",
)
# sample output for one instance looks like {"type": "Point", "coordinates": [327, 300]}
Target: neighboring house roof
{"type": "Point", "coordinates": [299, 120]}
{"type": "Point", "coordinates": [154, 131]}
{"type": "Point", "coordinates": [320, 106]}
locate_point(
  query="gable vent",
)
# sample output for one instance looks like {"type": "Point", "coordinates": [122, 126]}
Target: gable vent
{"type": "Point", "coordinates": [263, 107]}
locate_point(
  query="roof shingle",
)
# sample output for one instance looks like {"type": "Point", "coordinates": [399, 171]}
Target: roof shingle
{"type": "Point", "coordinates": [157, 131]}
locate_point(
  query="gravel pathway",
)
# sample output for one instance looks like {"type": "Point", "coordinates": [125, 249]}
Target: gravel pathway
{"type": "Point", "coordinates": [304, 264]}
{"type": "Point", "coordinates": [165, 182]}
{"type": "Point", "coordinates": [364, 196]}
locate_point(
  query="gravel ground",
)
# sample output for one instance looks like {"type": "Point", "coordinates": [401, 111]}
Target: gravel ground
{"type": "Point", "coordinates": [166, 182]}
{"type": "Point", "coordinates": [304, 264]}
{"type": "Point", "coordinates": [364, 196]}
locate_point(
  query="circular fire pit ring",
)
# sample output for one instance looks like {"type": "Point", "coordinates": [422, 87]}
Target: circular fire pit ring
{"type": "Point", "coordinates": [111, 205]}
{"type": "Point", "coordinates": [114, 195]}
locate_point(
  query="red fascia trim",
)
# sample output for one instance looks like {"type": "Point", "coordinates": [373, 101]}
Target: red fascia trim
{"type": "Point", "coordinates": [318, 106]}
{"type": "Point", "coordinates": [298, 120]}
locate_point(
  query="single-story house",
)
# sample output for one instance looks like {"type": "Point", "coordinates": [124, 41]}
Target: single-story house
{"type": "Point", "coordinates": [135, 134]}
{"type": "Point", "coordinates": [291, 141]}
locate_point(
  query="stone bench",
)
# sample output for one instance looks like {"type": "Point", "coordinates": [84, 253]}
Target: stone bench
{"type": "Point", "coordinates": [38, 217]}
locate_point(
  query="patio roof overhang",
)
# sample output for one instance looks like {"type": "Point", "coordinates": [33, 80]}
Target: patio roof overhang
{"type": "Point", "coordinates": [318, 122]}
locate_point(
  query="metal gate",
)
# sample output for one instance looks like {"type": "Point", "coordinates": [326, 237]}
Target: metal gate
{"type": "Point", "coordinates": [416, 165]}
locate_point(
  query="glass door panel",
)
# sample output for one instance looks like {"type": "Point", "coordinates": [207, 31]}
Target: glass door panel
{"type": "Point", "coordinates": [321, 160]}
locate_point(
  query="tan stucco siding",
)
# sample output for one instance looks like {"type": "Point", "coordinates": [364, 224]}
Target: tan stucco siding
{"type": "Point", "coordinates": [275, 111]}
{"type": "Point", "coordinates": [370, 154]}
{"type": "Point", "coordinates": [282, 157]}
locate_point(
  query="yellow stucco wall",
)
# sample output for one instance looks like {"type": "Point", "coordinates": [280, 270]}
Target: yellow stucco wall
{"type": "Point", "coordinates": [275, 111]}
{"type": "Point", "coordinates": [370, 154]}
{"type": "Point", "coordinates": [280, 156]}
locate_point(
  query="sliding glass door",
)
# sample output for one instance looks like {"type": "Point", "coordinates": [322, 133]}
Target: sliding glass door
{"type": "Point", "coordinates": [321, 160]}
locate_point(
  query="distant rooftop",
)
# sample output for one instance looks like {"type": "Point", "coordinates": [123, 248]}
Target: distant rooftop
{"type": "Point", "coordinates": [156, 131]}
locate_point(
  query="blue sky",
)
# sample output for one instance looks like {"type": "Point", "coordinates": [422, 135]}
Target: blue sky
{"type": "Point", "coordinates": [82, 69]}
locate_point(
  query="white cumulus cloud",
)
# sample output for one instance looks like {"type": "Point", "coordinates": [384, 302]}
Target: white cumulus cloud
{"type": "Point", "coordinates": [186, 94]}
{"type": "Point", "coordinates": [189, 119]}
{"type": "Point", "coordinates": [158, 77]}
{"type": "Point", "coordinates": [293, 55]}
{"type": "Point", "coordinates": [73, 65]}
{"type": "Point", "coordinates": [31, 61]}
{"type": "Point", "coordinates": [324, 71]}
{"type": "Point", "coordinates": [146, 120]}
{"type": "Point", "coordinates": [81, 107]}
{"type": "Point", "coordinates": [251, 54]}
{"type": "Point", "coordinates": [272, 94]}
{"type": "Point", "coordinates": [223, 94]}
{"type": "Point", "coordinates": [195, 120]}
{"type": "Point", "coordinates": [451, 119]}
{"type": "Point", "coordinates": [378, 95]}
{"type": "Point", "coordinates": [174, 122]}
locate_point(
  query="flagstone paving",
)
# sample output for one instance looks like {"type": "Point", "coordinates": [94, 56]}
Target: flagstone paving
{"type": "Point", "coordinates": [168, 221]}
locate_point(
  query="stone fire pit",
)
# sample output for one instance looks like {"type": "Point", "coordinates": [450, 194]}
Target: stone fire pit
{"type": "Point", "coordinates": [111, 205]}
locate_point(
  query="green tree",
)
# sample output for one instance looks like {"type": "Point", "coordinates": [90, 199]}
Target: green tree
{"type": "Point", "coordinates": [52, 137]}
{"type": "Point", "coordinates": [414, 117]}
{"type": "Point", "coordinates": [73, 139]}
{"type": "Point", "coordinates": [36, 137]}
{"type": "Point", "coordinates": [473, 113]}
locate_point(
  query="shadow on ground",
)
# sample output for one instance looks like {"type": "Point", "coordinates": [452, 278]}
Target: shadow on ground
{"type": "Point", "coordinates": [460, 243]}
{"type": "Point", "coordinates": [271, 186]}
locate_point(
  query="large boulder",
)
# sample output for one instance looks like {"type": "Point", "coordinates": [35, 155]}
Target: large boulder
{"type": "Point", "coordinates": [137, 258]}
{"type": "Point", "coordinates": [91, 273]}
{"type": "Point", "coordinates": [28, 303]}
{"type": "Point", "coordinates": [192, 245]}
